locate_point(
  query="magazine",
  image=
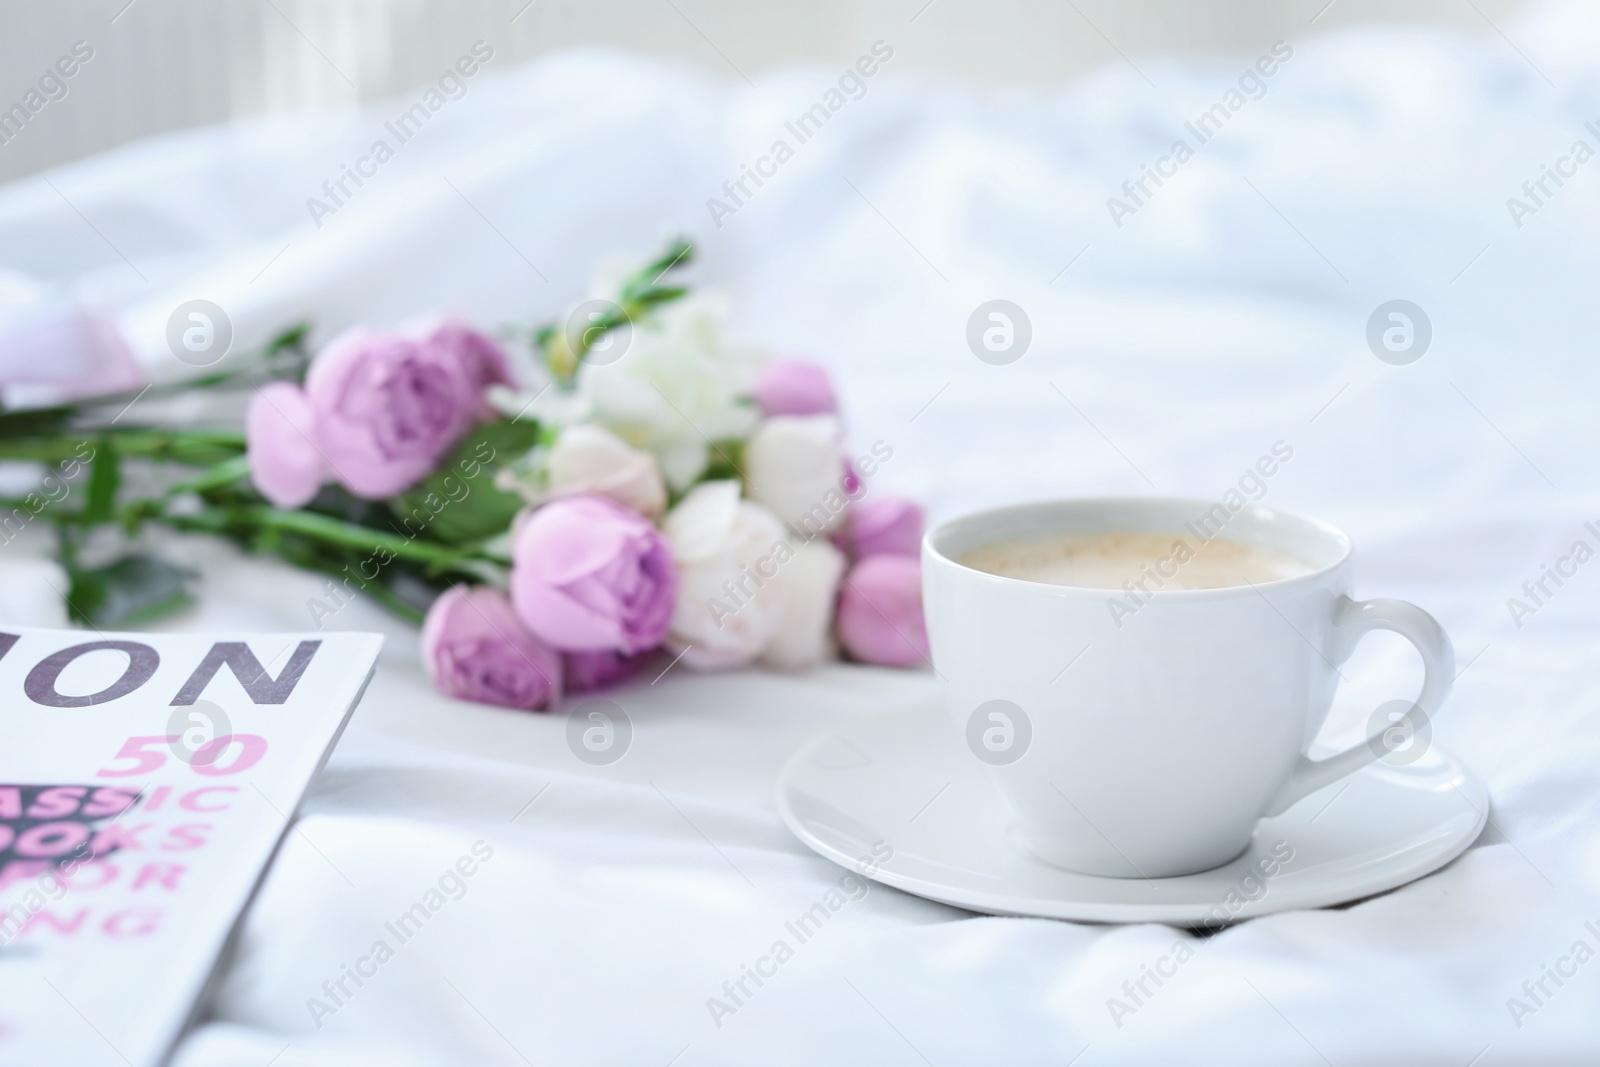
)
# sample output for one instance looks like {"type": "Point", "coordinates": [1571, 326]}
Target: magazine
{"type": "Point", "coordinates": [145, 782]}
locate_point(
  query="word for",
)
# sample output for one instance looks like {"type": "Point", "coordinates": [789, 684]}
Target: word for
{"type": "Point", "coordinates": [1251, 486]}
{"type": "Point", "coordinates": [803, 929]}
{"type": "Point", "coordinates": [52, 87]}
{"type": "Point", "coordinates": [1204, 127]}
{"type": "Point", "coordinates": [1538, 992]}
{"type": "Point", "coordinates": [451, 885]}
{"type": "Point", "coordinates": [1136, 992]}
{"type": "Point", "coordinates": [803, 128]}
{"type": "Point", "coordinates": [741, 590]}
{"type": "Point", "coordinates": [21, 920]}
{"type": "Point", "coordinates": [1560, 571]}
{"type": "Point", "coordinates": [1538, 190]}
{"type": "Point", "coordinates": [452, 86]}
{"type": "Point", "coordinates": [53, 489]}
{"type": "Point", "coordinates": [339, 594]}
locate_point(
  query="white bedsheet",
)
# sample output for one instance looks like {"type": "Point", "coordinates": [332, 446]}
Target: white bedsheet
{"type": "Point", "coordinates": [1226, 315]}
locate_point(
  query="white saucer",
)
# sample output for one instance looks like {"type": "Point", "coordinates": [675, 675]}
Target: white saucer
{"type": "Point", "coordinates": [901, 785]}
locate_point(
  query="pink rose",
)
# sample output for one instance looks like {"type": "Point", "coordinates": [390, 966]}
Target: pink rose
{"type": "Point", "coordinates": [387, 409]}
{"type": "Point", "coordinates": [589, 575]}
{"type": "Point", "coordinates": [481, 360]}
{"type": "Point", "coordinates": [852, 483]}
{"type": "Point", "coordinates": [596, 670]}
{"type": "Point", "coordinates": [475, 648]}
{"type": "Point", "coordinates": [880, 612]}
{"type": "Point", "coordinates": [886, 526]}
{"type": "Point", "coordinates": [794, 387]}
{"type": "Point", "coordinates": [53, 351]}
{"type": "Point", "coordinates": [280, 434]}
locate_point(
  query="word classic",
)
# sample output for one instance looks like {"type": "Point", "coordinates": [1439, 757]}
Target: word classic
{"type": "Point", "coordinates": [809, 123]}
{"type": "Point", "coordinates": [1203, 128]}
{"type": "Point", "coordinates": [405, 126]}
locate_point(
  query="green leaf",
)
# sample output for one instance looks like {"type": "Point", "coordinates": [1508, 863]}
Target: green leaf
{"type": "Point", "coordinates": [677, 254]}
{"type": "Point", "coordinates": [284, 357]}
{"type": "Point", "coordinates": [724, 461]}
{"type": "Point", "coordinates": [105, 478]}
{"type": "Point", "coordinates": [133, 590]}
{"type": "Point", "coordinates": [459, 501]}
{"type": "Point", "coordinates": [659, 294]}
{"type": "Point", "coordinates": [562, 351]}
{"type": "Point", "coordinates": [293, 337]}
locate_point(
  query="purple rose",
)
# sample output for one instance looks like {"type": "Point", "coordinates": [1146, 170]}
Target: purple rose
{"type": "Point", "coordinates": [387, 409]}
{"type": "Point", "coordinates": [794, 387]}
{"type": "Point", "coordinates": [280, 433]}
{"type": "Point", "coordinates": [589, 575]}
{"type": "Point", "coordinates": [886, 526]}
{"type": "Point", "coordinates": [482, 362]}
{"type": "Point", "coordinates": [596, 670]}
{"type": "Point", "coordinates": [880, 612]}
{"type": "Point", "coordinates": [475, 648]}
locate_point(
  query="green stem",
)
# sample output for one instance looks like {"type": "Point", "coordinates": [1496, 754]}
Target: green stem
{"type": "Point", "coordinates": [44, 450]}
{"type": "Point", "coordinates": [352, 535]}
{"type": "Point", "coordinates": [328, 530]}
{"type": "Point", "coordinates": [10, 505]}
{"type": "Point", "coordinates": [198, 447]}
{"type": "Point", "coordinates": [225, 473]}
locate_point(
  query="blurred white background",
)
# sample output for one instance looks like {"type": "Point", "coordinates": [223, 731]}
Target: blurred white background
{"type": "Point", "coordinates": [1168, 352]}
{"type": "Point", "coordinates": [165, 64]}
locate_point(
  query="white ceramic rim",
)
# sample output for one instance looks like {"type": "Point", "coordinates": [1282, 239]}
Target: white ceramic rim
{"type": "Point", "coordinates": [1037, 514]}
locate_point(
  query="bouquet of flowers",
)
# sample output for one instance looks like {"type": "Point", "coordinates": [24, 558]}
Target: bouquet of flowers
{"type": "Point", "coordinates": [649, 492]}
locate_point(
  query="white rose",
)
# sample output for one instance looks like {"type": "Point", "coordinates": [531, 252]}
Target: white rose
{"type": "Point", "coordinates": [545, 405]}
{"type": "Point", "coordinates": [794, 465]}
{"type": "Point", "coordinates": [679, 384]}
{"type": "Point", "coordinates": [591, 459]}
{"type": "Point", "coordinates": [804, 634]}
{"type": "Point", "coordinates": [728, 552]}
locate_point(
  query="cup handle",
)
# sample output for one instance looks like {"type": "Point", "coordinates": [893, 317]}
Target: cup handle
{"type": "Point", "coordinates": [1354, 619]}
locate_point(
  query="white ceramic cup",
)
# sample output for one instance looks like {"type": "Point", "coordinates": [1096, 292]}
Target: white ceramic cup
{"type": "Point", "coordinates": [1148, 743]}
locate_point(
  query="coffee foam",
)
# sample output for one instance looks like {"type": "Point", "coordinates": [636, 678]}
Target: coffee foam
{"type": "Point", "coordinates": [1107, 561]}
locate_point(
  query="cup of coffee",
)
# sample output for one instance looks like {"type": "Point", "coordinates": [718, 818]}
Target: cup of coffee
{"type": "Point", "coordinates": [1143, 677]}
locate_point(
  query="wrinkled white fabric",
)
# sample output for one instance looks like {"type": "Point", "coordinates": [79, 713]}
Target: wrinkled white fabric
{"type": "Point", "coordinates": [1226, 314]}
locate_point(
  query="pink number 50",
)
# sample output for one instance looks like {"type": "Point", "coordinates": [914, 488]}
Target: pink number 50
{"type": "Point", "coordinates": [147, 754]}
{"type": "Point", "coordinates": [208, 757]}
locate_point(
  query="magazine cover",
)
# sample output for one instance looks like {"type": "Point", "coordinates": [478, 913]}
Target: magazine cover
{"type": "Point", "coordinates": [145, 781]}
